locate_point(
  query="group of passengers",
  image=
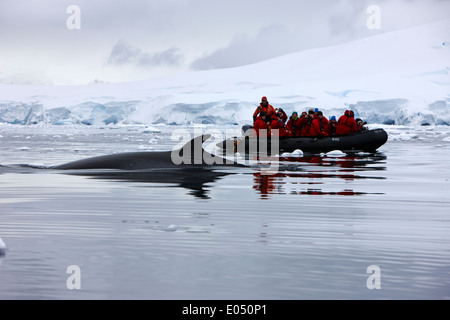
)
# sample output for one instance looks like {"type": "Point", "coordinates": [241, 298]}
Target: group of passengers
{"type": "Point", "coordinates": [309, 124]}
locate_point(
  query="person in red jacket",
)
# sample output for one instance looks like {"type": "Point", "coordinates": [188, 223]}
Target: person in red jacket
{"type": "Point", "coordinates": [319, 125]}
{"type": "Point", "coordinates": [261, 123]}
{"type": "Point", "coordinates": [278, 124]}
{"type": "Point", "coordinates": [306, 123]}
{"type": "Point", "coordinates": [346, 124]}
{"type": "Point", "coordinates": [293, 125]}
{"type": "Point", "coordinates": [281, 114]}
{"type": "Point", "coordinates": [264, 107]}
{"type": "Point", "coordinates": [360, 125]}
{"type": "Point", "coordinates": [332, 126]}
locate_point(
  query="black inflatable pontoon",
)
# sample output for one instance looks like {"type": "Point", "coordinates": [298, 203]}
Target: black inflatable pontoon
{"type": "Point", "coordinates": [365, 141]}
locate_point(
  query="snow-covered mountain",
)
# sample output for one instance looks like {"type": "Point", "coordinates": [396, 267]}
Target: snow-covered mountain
{"type": "Point", "coordinates": [401, 77]}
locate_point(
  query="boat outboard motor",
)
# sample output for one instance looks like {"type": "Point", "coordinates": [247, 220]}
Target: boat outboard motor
{"type": "Point", "coordinates": [245, 129]}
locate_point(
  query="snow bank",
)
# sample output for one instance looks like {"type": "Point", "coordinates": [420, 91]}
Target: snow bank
{"type": "Point", "coordinates": [88, 113]}
{"type": "Point", "coordinates": [401, 78]}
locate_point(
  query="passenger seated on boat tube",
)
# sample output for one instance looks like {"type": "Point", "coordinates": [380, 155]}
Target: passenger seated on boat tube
{"type": "Point", "coordinates": [281, 115]}
{"type": "Point", "coordinates": [360, 125]}
{"type": "Point", "coordinates": [331, 130]}
{"type": "Point", "coordinates": [319, 126]}
{"type": "Point", "coordinates": [264, 107]}
{"type": "Point", "coordinates": [346, 124]}
{"type": "Point", "coordinates": [304, 114]}
{"type": "Point", "coordinates": [262, 122]}
{"type": "Point", "coordinates": [293, 125]}
{"type": "Point", "coordinates": [278, 127]}
{"type": "Point", "coordinates": [316, 110]}
{"type": "Point", "coordinates": [306, 123]}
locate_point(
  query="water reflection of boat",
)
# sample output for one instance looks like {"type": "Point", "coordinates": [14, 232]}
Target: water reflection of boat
{"type": "Point", "coordinates": [311, 175]}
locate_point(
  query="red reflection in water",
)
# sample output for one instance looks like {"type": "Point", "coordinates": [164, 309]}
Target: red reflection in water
{"type": "Point", "coordinates": [273, 184]}
{"type": "Point", "coordinates": [264, 184]}
{"type": "Point", "coordinates": [303, 172]}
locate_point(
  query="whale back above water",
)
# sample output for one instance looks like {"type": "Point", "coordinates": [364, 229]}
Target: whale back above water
{"type": "Point", "coordinates": [191, 154]}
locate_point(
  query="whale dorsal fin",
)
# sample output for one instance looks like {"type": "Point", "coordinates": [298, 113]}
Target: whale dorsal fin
{"type": "Point", "coordinates": [191, 152]}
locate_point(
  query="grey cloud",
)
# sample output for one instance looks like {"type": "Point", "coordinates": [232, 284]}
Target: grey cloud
{"type": "Point", "coordinates": [170, 56]}
{"type": "Point", "coordinates": [348, 18]}
{"type": "Point", "coordinates": [271, 41]}
{"type": "Point", "coordinates": [123, 53]}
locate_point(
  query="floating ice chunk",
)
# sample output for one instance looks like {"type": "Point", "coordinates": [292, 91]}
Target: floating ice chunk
{"type": "Point", "coordinates": [151, 130]}
{"type": "Point", "coordinates": [171, 228]}
{"type": "Point", "coordinates": [403, 136]}
{"type": "Point", "coordinates": [295, 153]}
{"type": "Point", "coordinates": [335, 153]}
{"type": "Point", "coordinates": [447, 139]}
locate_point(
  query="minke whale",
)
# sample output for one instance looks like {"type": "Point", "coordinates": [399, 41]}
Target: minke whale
{"type": "Point", "coordinates": [189, 167]}
{"type": "Point", "coordinates": [191, 155]}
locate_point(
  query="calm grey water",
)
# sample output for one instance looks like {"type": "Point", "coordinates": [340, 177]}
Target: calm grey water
{"type": "Point", "coordinates": [309, 231]}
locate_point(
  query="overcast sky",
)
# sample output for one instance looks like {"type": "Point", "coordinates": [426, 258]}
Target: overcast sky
{"type": "Point", "coordinates": [139, 39]}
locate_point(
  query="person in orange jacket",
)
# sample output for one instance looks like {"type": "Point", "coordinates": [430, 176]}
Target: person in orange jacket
{"type": "Point", "coordinates": [319, 125]}
{"type": "Point", "coordinates": [346, 124]}
{"type": "Point", "coordinates": [264, 107]}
